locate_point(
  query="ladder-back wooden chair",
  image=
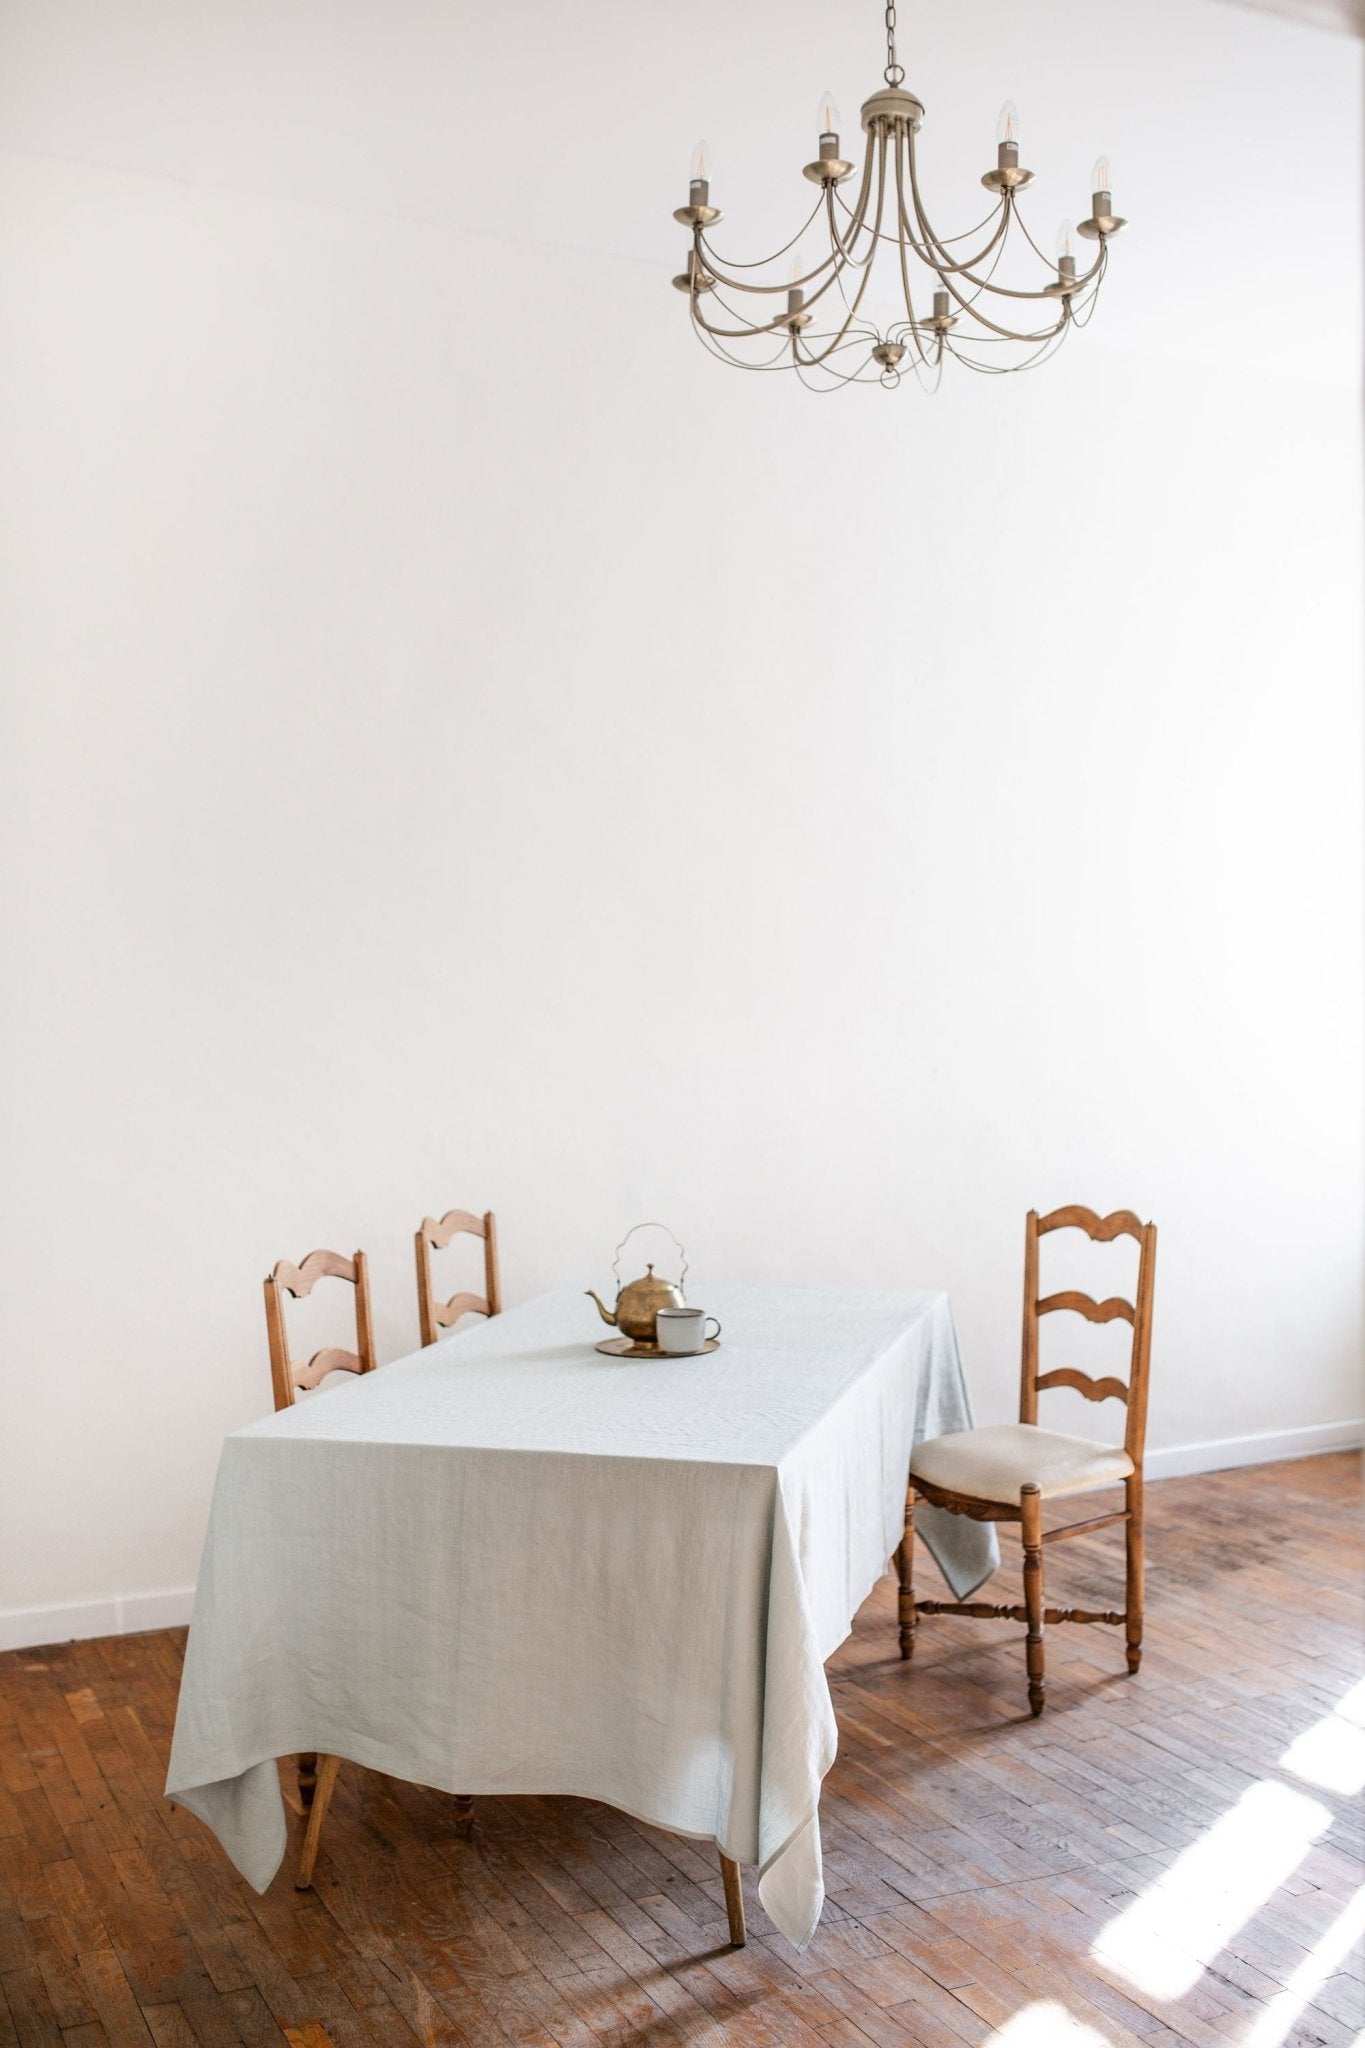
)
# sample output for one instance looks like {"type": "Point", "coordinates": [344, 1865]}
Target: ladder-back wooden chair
{"type": "Point", "coordinates": [1006, 1472]}
{"type": "Point", "coordinates": [291, 1376]}
{"type": "Point", "coordinates": [435, 1315]}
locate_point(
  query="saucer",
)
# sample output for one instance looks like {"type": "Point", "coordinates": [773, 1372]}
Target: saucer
{"type": "Point", "coordinates": [626, 1347]}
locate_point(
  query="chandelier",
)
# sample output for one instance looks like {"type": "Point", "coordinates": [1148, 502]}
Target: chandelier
{"type": "Point", "coordinates": [819, 326]}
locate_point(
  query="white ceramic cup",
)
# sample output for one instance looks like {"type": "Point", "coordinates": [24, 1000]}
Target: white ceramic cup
{"type": "Point", "coordinates": [682, 1332]}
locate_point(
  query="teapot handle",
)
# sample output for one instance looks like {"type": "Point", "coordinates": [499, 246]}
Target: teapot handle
{"type": "Point", "coordinates": [616, 1262]}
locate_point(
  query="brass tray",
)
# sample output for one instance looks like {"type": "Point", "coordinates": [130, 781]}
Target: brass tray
{"type": "Point", "coordinates": [626, 1347]}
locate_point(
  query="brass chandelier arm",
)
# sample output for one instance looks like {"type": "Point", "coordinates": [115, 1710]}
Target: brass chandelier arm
{"type": "Point", "coordinates": [713, 261]}
{"type": "Point", "coordinates": [915, 335]}
{"type": "Point", "coordinates": [959, 270]}
{"type": "Point", "coordinates": [751, 333]}
{"type": "Point", "coordinates": [849, 249]}
{"type": "Point", "coordinates": [830, 263]}
{"type": "Point", "coordinates": [779, 320]}
{"type": "Point", "coordinates": [723, 355]}
{"type": "Point", "coordinates": [737, 284]}
{"type": "Point", "coordinates": [948, 240]}
{"type": "Point", "coordinates": [1039, 355]}
{"type": "Point", "coordinates": [1087, 314]}
{"type": "Point", "coordinates": [808, 356]}
{"type": "Point", "coordinates": [859, 210]}
{"type": "Point", "coordinates": [972, 309]}
{"type": "Point", "coordinates": [932, 251]}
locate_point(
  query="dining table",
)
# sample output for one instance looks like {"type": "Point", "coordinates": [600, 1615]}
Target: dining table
{"type": "Point", "coordinates": [509, 1564]}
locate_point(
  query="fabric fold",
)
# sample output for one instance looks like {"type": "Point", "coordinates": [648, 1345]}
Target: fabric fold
{"type": "Point", "coordinates": [509, 1565]}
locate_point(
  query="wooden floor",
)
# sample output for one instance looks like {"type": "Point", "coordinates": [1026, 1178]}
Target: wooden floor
{"type": "Point", "coordinates": [1149, 1862]}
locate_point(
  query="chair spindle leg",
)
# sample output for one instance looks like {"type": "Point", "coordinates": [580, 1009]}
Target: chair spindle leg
{"type": "Point", "coordinates": [1031, 1517]}
{"type": "Point", "coordinates": [464, 1815]}
{"type": "Point", "coordinates": [308, 1778]}
{"type": "Point", "coordinates": [905, 1573]}
{"type": "Point", "coordinates": [1133, 1604]}
{"type": "Point", "coordinates": [328, 1766]}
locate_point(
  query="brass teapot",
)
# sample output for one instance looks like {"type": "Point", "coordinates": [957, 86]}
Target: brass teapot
{"type": "Point", "coordinates": [638, 1303]}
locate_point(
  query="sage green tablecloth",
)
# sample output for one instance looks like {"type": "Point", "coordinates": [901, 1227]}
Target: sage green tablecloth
{"type": "Point", "coordinates": [508, 1564]}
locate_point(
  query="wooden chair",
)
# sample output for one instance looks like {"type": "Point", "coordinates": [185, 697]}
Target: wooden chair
{"type": "Point", "coordinates": [290, 1377]}
{"type": "Point", "coordinates": [1005, 1473]}
{"type": "Point", "coordinates": [288, 1374]}
{"type": "Point", "coordinates": [434, 1315]}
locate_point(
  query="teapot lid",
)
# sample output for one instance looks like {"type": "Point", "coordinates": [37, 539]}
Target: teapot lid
{"type": "Point", "coordinates": [649, 1285]}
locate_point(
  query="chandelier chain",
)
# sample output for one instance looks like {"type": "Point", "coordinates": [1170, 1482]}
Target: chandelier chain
{"type": "Point", "coordinates": [894, 74]}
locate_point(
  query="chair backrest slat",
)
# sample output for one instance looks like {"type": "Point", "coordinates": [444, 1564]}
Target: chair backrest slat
{"type": "Point", "coordinates": [1086, 1305]}
{"type": "Point", "coordinates": [289, 1375]}
{"type": "Point", "coordinates": [1133, 1391]}
{"type": "Point", "coordinates": [434, 1236]}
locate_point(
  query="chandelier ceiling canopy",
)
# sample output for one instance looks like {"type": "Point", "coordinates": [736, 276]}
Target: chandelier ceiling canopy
{"type": "Point", "coordinates": [824, 321]}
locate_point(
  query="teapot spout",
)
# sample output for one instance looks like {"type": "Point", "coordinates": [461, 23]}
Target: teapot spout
{"type": "Point", "coordinates": [602, 1310]}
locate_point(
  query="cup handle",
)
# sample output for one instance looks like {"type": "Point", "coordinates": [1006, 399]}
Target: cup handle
{"type": "Point", "coordinates": [705, 1338]}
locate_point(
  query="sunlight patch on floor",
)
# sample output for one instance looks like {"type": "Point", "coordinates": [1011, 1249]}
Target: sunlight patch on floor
{"type": "Point", "coordinates": [1331, 1754]}
{"type": "Point", "coordinates": [1045, 2025]}
{"type": "Point", "coordinates": [1162, 1942]}
{"type": "Point", "coordinates": [1285, 2009]}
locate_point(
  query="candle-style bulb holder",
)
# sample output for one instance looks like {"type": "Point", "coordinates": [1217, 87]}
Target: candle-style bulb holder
{"type": "Point", "coordinates": [1007, 175]}
{"type": "Point", "coordinates": [698, 212]}
{"type": "Point", "coordinates": [943, 319]}
{"type": "Point", "coordinates": [829, 167]}
{"type": "Point", "coordinates": [695, 278]}
{"type": "Point", "coordinates": [1103, 220]}
{"type": "Point", "coordinates": [1064, 284]}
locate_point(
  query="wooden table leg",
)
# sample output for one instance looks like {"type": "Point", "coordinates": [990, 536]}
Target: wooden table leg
{"type": "Point", "coordinates": [308, 1777]}
{"type": "Point", "coordinates": [734, 1900]}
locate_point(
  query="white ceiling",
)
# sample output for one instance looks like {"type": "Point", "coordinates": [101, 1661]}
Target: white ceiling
{"type": "Point", "coordinates": [573, 121]}
{"type": "Point", "coordinates": [1346, 17]}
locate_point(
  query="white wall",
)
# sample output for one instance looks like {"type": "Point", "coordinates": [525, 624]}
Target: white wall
{"type": "Point", "coordinates": [410, 637]}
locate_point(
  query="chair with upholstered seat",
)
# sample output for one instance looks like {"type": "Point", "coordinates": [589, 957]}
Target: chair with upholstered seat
{"type": "Point", "coordinates": [433, 1315]}
{"type": "Point", "coordinates": [1005, 1473]}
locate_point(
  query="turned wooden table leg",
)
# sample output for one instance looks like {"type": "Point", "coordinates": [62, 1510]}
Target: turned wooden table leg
{"type": "Point", "coordinates": [905, 1573]}
{"type": "Point", "coordinates": [734, 1900]}
{"type": "Point", "coordinates": [464, 1814]}
{"type": "Point", "coordinates": [308, 1778]}
{"type": "Point", "coordinates": [1031, 1517]}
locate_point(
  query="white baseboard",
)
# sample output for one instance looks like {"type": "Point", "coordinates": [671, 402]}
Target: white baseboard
{"type": "Point", "coordinates": [1271, 1448]}
{"type": "Point", "coordinates": [24, 1628]}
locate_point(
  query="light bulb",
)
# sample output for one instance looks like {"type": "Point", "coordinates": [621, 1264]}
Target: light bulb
{"type": "Point", "coordinates": [828, 116]}
{"type": "Point", "coordinates": [701, 163]}
{"type": "Point", "coordinates": [1102, 178]}
{"type": "Point", "coordinates": [1065, 246]}
{"type": "Point", "coordinates": [798, 269]}
{"type": "Point", "coordinates": [1007, 127]}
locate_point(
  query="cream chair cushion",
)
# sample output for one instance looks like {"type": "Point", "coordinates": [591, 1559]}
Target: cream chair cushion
{"type": "Point", "coordinates": [992, 1464]}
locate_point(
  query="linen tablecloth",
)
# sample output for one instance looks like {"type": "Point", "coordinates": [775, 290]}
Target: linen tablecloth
{"type": "Point", "coordinates": [509, 1564]}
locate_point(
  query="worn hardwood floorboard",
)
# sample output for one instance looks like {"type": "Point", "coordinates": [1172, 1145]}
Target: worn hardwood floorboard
{"type": "Point", "coordinates": [1173, 1858]}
